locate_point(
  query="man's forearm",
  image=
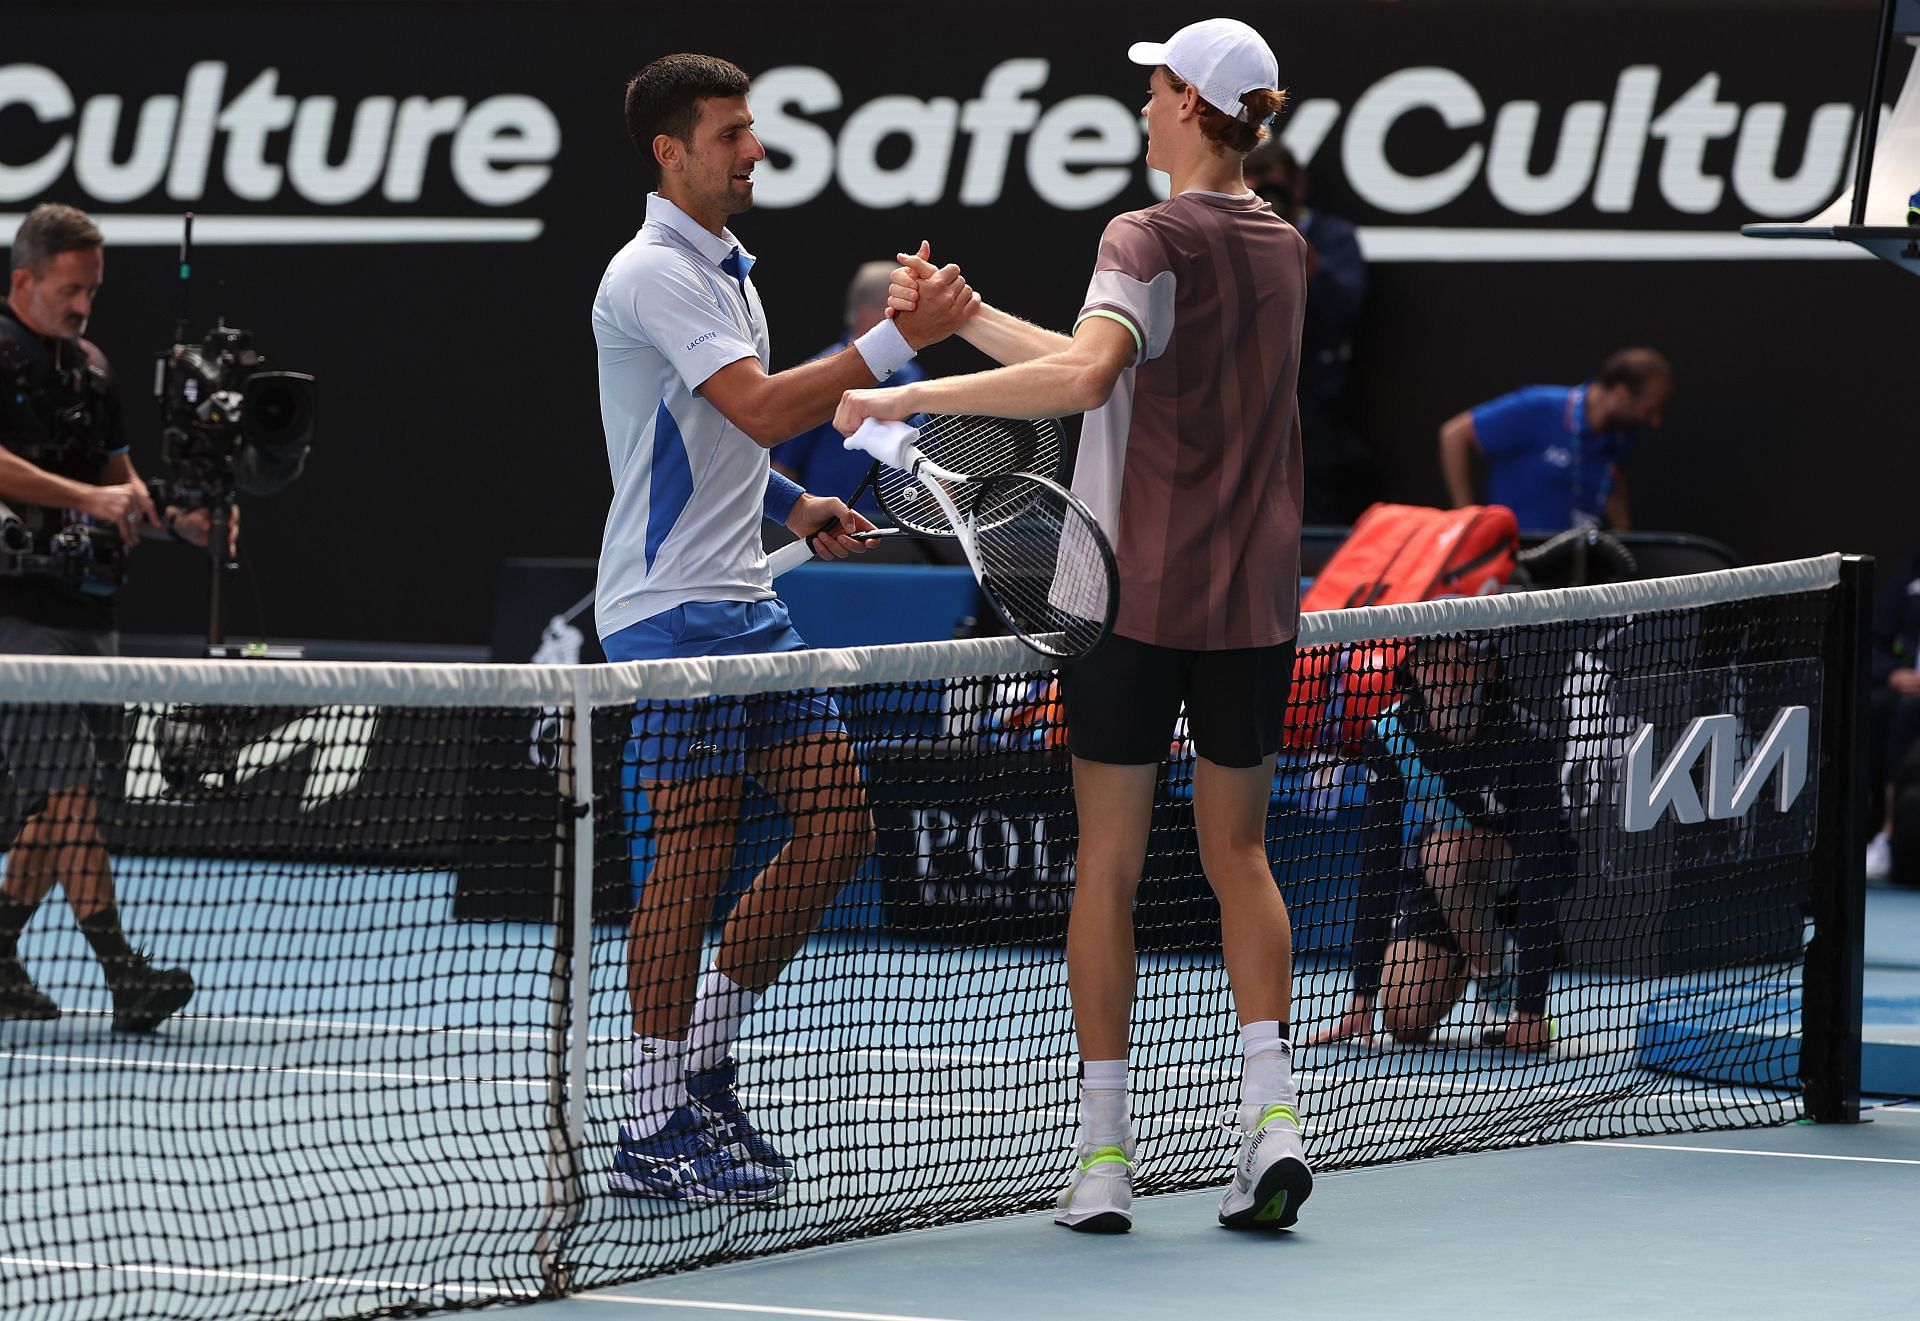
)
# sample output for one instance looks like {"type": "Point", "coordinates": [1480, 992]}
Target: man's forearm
{"type": "Point", "coordinates": [1456, 465]}
{"type": "Point", "coordinates": [776, 408]}
{"type": "Point", "coordinates": [1007, 339]}
{"type": "Point", "coordinates": [1053, 386]}
{"type": "Point", "coordinates": [26, 483]}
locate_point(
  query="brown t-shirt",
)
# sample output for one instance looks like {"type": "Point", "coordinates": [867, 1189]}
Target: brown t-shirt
{"type": "Point", "coordinates": [1193, 465]}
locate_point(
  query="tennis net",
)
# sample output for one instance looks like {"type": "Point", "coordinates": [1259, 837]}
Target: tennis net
{"type": "Point", "coordinates": [403, 894]}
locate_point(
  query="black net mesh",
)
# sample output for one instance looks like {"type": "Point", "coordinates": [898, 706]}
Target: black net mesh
{"type": "Point", "coordinates": [394, 1087]}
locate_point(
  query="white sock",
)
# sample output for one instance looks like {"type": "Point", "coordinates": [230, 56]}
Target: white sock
{"type": "Point", "coordinates": [1267, 1076]}
{"type": "Point", "coordinates": [656, 1084]}
{"type": "Point", "coordinates": [1103, 1104]}
{"type": "Point", "coordinates": [718, 1009]}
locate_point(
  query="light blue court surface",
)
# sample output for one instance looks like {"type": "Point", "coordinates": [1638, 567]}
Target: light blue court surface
{"type": "Point", "coordinates": [353, 1115]}
{"type": "Point", "coordinates": [1792, 1222]}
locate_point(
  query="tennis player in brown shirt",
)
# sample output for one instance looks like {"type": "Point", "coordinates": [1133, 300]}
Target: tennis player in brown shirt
{"type": "Point", "coordinates": [1184, 359]}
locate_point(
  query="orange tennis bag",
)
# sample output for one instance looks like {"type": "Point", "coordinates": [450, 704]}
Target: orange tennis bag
{"type": "Point", "coordinates": [1395, 554]}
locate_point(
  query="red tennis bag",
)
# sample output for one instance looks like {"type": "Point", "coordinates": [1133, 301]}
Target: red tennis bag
{"type": "Point", "coordinates": [1400, 553]}
{"type": "Point", "coordinates": [1395, 554]}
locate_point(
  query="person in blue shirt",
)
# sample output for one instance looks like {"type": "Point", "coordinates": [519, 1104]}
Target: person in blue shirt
{"type": "Point", "coordinates": [1553, 453]}
{"type": "Point", "coordinates": [816, 459]}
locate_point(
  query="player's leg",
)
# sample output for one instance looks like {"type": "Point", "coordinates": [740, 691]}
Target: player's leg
{"type": "Point", "coordinates": [66, 837]}
{"type": "Point", "coordinates": [1467, 868]}
{"type": "Point", "coordinates": [1528, 912]}
{"type": "Point", "coordinates": [690, 760]}
{"type": "Point", "coordinates": [666, 1149]}
{"type": "Point", "coordinates": [1121, 704]}
{"type": "Point", "coordinates": [60, 844]}
{"type": "Point", "coordinates": [1114, 803]}
{"type": "Point", "coordinates": [817, 783]}
{"type": "Point", "coordinates": [1424, 972]}
{"type": "Point", "coordinates": [1235, 706]}
{"type": "Point", "coordinates": [27, 882]}
{"type": "Point", "coordinates": [1462, 866]}
{"type": "Point", "coordinates": [20, 896]}
{"type": "Point", "coordinates": [796, 747]}
{"type": "Point", "coordinates": [1421, 979]}
{"type": "Point", "coordinates": [54, 760]}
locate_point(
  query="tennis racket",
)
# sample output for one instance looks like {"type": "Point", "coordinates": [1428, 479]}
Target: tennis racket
{"type": "Point", "coordinates": [979, 446]}
{"type": "Point", "coordinates": [1037, 552]}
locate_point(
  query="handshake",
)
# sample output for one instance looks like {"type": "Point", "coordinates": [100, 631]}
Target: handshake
{"type": "Point", "coordinates": [928, 303]}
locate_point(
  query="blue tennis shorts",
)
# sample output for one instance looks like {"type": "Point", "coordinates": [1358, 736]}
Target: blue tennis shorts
{"type": "Point", "coordinates": [707, 736]}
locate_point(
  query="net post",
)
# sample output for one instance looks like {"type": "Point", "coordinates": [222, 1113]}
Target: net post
{"type": "Point", "coordinates": [1836, 955]}
{"type": "Point", "coordinates": [569, 983]}
{"type": "Point", "coordinates": [580, 994]}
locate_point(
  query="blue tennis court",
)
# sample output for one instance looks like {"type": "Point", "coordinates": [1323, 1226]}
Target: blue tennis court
{"type": "Point", "coordinates": [398, 1088]}
{"type": "Point", "coordinates": [400, 1116]}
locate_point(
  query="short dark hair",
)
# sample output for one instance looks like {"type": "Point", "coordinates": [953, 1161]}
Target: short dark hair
{"type": "Point", "coordinates": [665, 96]}
{"type": "Point", "coordinates": [1635, 368]}
{"type": "Point", "coordinates": [51, 229]}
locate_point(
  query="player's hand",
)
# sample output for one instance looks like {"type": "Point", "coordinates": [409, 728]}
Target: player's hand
{"type": "Point", "coordinates": [856, 406]}
{"type": "Point", "coordinates": [943, 303]}
{"type": "Point", "coordinates": [903, 288]}
{"type": "Point", "coordinates": [1355, 1022]}
{"type": "Point", "coordinates": [828, 521]}
{"type": "Point", "coordinates": [194, 526]}
{"type": "Point", "coordinates": [124, 505]}
{"type": "Point", "coordinates": [1904, 682]}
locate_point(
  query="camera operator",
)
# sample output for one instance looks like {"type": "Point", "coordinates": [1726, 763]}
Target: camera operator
{"type": "Point", "coordinates": [74, 508]}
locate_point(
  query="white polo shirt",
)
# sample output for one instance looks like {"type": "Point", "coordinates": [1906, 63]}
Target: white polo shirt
{"type": "Point", "coordinates": [688, 485]}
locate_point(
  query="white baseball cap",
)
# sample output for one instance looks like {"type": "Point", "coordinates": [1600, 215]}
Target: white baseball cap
{"type": "Point", "coordinates": [1222, 57]}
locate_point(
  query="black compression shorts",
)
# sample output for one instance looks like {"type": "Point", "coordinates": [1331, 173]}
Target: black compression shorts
{"type": "Point", "coordinates": [1123, 699]}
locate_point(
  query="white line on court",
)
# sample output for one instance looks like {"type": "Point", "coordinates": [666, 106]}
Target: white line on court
{"type": "Point", "coordinates": [270, 1277]}
{"type": "Point", "coordinates": [197, 1066]}
{"type": "Point", "coordinates": [1741, 1151]}
{"type": "Point", "coordinates": [758, 1309]}
{"type": "Point", "coordinates": [1417, 1088]}
{"type": "Point", "coordinates": [343, 1025]}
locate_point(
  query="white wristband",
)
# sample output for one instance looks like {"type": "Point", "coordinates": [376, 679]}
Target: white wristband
{"type": "Point", "coordinates": [884, 349]}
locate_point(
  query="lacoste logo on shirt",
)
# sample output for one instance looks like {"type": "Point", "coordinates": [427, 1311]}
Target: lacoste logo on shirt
{"type": "Point", "coordinates": [695, 343]}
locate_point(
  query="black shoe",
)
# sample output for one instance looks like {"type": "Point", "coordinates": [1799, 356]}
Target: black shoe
{"type": "Point", "coordinates": [145, 996]}
{"type": "Point", "coordinates": [19, 997]}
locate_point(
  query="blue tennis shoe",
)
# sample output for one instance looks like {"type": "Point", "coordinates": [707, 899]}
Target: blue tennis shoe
{"type": "Point", "coordinates": [684, 1163]}
{"type": "Point", "coordinates": [713, 1095]}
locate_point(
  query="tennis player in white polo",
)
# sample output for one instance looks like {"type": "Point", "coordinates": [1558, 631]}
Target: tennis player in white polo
{"type": "Point", "coordinates": [1185, 358]}
{"type": "Point", "coordinates": [690, 411]}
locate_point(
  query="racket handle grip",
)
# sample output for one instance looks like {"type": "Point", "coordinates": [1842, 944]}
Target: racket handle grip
{"type": "Point", "coordinates": [789, 556]}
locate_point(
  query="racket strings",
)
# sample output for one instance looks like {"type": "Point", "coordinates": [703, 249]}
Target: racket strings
{"type": "Point", "coordinates": [1047, 569]}
{"type": "Point", "coordinates": [979, 447]}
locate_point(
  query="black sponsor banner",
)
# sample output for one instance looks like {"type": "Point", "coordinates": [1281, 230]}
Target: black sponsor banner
{"type": "Point", "coordinates": [352, 784]}
{"type": "Point", "coordinates": [986, 860]}
{"type": "Point", "coordinates": [416, 202]}
{"type": "Point", "coordinates": [985, 855]}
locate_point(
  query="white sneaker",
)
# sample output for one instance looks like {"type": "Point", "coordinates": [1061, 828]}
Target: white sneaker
{"type": "Point", "coordinates": [1271, 1177]}
{"type": "Point", "coordinates": [1880, 857]}
{"type": "Point", "coordinates": [1099, 1197]}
